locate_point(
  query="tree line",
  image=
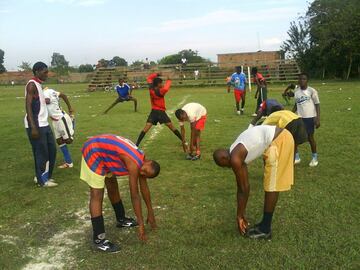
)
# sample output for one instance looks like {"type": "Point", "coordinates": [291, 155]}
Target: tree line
{"type": "Point", "coordinates": [61, 66]}
{"type": "Point", "coordinates": [326, 41]}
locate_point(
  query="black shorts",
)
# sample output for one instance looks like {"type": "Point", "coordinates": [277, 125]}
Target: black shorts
{"type": "Point", "coordinates": [158, 116]}
{"type": "Point", "coordinates": [310, 125]}
{"type": "Point", "coordinates": [298, 130]}
{"type": "Point", "coordinates": [122, 99]}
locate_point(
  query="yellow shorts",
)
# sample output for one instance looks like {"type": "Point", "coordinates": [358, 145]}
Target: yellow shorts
{"type": "Point", "coordinates": [92, 179]}
{"type": "Point", "coordinates": [279, 163]}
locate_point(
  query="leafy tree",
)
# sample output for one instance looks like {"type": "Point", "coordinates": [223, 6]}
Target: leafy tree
{"type": "Point", "coordinates": [119, 62]}
{"type": "Point", "coordinates": [137, 63]}
{"type": "Point", "coordinates": [25, 66]}
{"type": "Point", "coordinates": [85, 68]}
{"type": "Point", "coordinates": [2, 68]}
{"type": "Point", "coordinates": [190, 55]}
{"type": "Point", "coordinates": [59, 64]}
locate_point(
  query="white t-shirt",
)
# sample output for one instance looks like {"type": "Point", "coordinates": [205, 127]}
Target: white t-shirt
{"type": "Point", "coordinates": [305, 102]}
{"type": "Point", "coordinates": [55, 112]}
{"type": "Point", "coordinates": [256, 140]}
{"type": "Point", "coordinates": [194, 111]}
{"type": "Point", "coordinates": [40, 112]}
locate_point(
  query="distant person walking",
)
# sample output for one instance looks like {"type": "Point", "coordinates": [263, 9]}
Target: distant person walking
{"type": "Point", "coordinates": [261, 91]}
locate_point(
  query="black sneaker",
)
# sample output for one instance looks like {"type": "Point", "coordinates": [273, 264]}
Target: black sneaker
{"type": "Point", "coordinates": [256, 233]}
{"type": "Point", "coordinates": [189, 157]}
{"type": "Point", "coordinates": [126, 222]}
{"type": "Point", "coordinates": [106, 246]}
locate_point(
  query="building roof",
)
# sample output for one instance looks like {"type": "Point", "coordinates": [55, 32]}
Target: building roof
{"type": "Point", "coordinates": [248, 52]}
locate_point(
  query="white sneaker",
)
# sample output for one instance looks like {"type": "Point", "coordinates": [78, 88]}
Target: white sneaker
{"type": "Point", "coordinates": [297, 161]}
{"type": "Point", "coordinates": [314, 162]}
{"type": "Point", "coordinates": [35, 180]}
{"type": "Point", "coordinates": [254, 114]}
{"type": "Point", "coordinates": [238, 112]}
{"type": "Point", "coordinates": [66, 165]}
{"type": "Point", "coordinates": [50, 184]}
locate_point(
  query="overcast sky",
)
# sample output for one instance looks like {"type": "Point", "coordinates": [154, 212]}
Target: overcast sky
{"type": "Point", "coordinates": [87, 30]}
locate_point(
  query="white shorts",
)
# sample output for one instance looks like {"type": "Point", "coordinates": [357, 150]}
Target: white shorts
{"type": "Point", "coordinates": [63, 128]}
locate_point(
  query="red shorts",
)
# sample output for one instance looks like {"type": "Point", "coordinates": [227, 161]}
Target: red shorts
{"type": "Point", "coordinates": [200, 124]}
{"type": "Point", "coordinates": [238, 94]}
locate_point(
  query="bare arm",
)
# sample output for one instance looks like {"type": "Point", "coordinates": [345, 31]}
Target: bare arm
{"type": "Point", "coordinates": [243, 188]}
{"type": "Point", "coordinates": [30, 94]}
{"type": "Point", "coordinates": [317, 119]}
{"type": "Point", "coordinates": [66, 100]}
{"type": "Point", "coordinates": [192, 137]}
{"type": "Point", "coordinates": [145, 192]}
{"type": "Point", "coordinates": [294, 108]}
{"type": "Point", "coordinates": [257, 117]}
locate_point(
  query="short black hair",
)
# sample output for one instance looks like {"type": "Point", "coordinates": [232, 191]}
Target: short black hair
{"type": "Point", "coordinates": [178, 113]}
{"type": "Point", "coordinates": [238, 68]}
{"type": "Point", "coordinates": [254, 70]}
{"type": "Point", "coordinates": [276, 108]}
{"type": "Point", "coordinates": [157, 81]}
{"type": "Point", "coordinates": [156, 168]}
{"type": "Point", "coordinates": [121, 79]}
{"type": "Point", "coordinates": [304, 74]}
{"type": "Point", "coordinates": [38, 66]}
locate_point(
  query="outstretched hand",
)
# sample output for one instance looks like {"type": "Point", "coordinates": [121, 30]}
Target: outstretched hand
{"type": "Point", "coordinates": [242, 225]}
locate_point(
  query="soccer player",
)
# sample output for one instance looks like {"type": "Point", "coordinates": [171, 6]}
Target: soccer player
{"type": "Point", "coordinates": [288, 93]}
{"type": "Point", "coordinates": [37, 127]}
{"type": "Point", "coordinates": [158, 115]}
{"type": "Point", "coordinates": [103, 158]}
{"type": "Point", "coordinates": [307, 105]}
{"type": "Point", "coordinates": [238, 80]}
{"type": "Point", "coordinates": [194, 113]}
{"type": "Point", "coordinates": [261, 90]}
{"type": "Point", "coordinates": [277, 147]}
{"type": "Point", "coordinates": [62, 123]}
{"type": "Point", "coordinates": [124, 91]}
{"type": "Point", "coordinates": [266, 108]}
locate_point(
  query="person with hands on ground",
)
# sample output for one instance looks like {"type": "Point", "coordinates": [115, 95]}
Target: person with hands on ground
{"type": "Point", "coordinates": [277, 147]}
{"type": "Point", "coordinates": [103, 158]}
{"type": "Point", "coordinates": [196, 114]}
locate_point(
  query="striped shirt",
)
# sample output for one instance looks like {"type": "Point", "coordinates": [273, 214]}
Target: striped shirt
{"type": "Point", "coordinates": [102, 154]}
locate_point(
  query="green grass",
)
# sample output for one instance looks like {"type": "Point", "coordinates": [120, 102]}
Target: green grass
{"type": "Point", "coordinates": [315, 226]}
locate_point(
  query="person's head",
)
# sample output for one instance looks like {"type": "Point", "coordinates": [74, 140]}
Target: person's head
{"type": "Point", "coordinates": [121, 80]}
{"type": "Point", "coordinates": [222, 157]}
{"type": "Point", "coordinates": [181, 115]}
{"type": "Point", "coordinates": [303, 80]}
{"type": "Point", "coordinates": [40, 70]}
{"type": "Point", "coordinates": [157, 82]}
{"type": "Point", "coordinates": [150, 169]}
{"type": "Point", "coordinates": [292, 86]}
{"type": "Point", "coordinates": [276, 108]}
{"type": "Point", "coordinates": [238, 69]}
{"type": "Point", "coordinates": [254, 70]}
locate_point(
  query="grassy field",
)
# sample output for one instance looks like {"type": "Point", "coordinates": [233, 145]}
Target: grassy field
{"type": "Point", "coordinates": [316, 224]}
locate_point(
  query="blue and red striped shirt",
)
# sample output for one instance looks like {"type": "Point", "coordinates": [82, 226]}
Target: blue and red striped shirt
{"type": "Point", "coordinates": [102, 154]}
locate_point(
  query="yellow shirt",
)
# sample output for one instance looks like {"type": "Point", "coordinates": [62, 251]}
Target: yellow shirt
{"type": "Point", "coordinates": [280, 118]}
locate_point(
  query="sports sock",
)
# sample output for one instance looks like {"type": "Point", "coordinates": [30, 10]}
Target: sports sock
{"type": "Point", "coordinates": [297, 156]}
{"type": "Point", "coordinates": [64, 149]}
{"type": "Point", "coordinates": [178, 134]}
{"type": "Point", "coordinates": [265, 224]}
{"type": "Point", "coordinates": [119, 210]}
{"type": "Point", "coordinates": [314, 155]}
{"type": "Point", "coordinates": [141, 136]}
{"type": "Point", "coordinates": [98, 229]}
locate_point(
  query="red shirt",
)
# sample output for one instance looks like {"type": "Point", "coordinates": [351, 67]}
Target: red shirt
{"type": "Point", "coordinates": [158, 100]}
{"type": "Point", "coordinates": [260, 77]}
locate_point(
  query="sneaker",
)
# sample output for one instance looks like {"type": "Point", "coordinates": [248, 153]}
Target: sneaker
{"type": "Point", "coordinates": [314, 162]}
{"type": "Point", "coordinates": [35, 180]}
{"type": "Point", "coordinates": [238, 112]}
{"type": "Point", "coordinates": [106, 246]}
{"type": "Point", "coordinates": [66, 165]}
{"type": "Point", "coordinates": [126, 222]}
{"type": "Point", "coordinates": [197, 157]}
{"type": "Point", "coordinates": [256, 233]}
{"type": "Point", "coordinates": [254, 114]}
{"type": "Point", "coordinates": [189, 157]}
{"type": "Point", "coordinates": [50, 183]}
{"type": "Point", "coordinates": [297, 160]}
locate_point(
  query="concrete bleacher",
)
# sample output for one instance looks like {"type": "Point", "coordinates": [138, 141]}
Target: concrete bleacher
{"type": "Point", "coordinates": [183, 75]}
